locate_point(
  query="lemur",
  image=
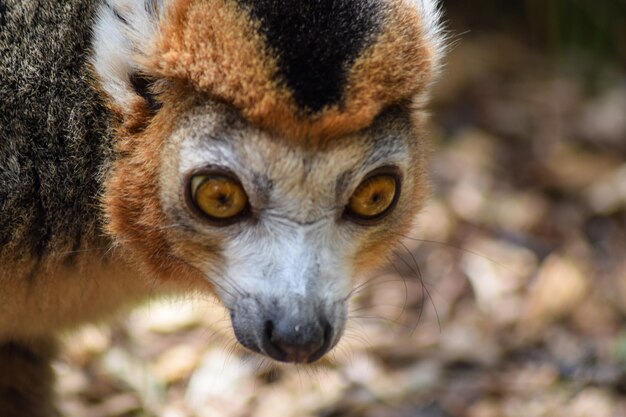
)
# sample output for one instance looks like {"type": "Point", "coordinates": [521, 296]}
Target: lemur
{"type": "Point", "coordinates": [266, 151]}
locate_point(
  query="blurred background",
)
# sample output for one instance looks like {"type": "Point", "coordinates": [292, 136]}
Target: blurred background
{"type": "Point", "coordinates": [507, 300]}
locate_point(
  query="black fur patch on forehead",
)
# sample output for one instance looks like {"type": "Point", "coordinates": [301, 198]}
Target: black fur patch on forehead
{"type": "Point", "coordinates": [316, 42]}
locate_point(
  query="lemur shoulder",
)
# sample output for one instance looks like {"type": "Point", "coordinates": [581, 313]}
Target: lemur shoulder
{"type": "Point", "coordinates": [266, 151]}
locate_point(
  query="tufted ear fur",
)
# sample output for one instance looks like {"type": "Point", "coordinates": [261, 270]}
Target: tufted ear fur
{"type": "Point", "coordinates": [433, 29]}
{"type": "Point", "coordinates": [125, 33]}
{"type": "Point", "coordinates": [434, 34]}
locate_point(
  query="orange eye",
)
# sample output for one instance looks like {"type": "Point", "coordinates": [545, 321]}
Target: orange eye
{"type": "Point", "coordinates": [219, 197]}
{"type": "Point", "coordinates": [373, 197]}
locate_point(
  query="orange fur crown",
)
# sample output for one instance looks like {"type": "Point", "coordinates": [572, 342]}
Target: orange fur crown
{"type": "Point", "coordinates": [304, 74]}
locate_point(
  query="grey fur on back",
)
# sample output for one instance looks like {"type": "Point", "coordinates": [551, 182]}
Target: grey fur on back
{"type": "Point", "coordinates": [54, 138]}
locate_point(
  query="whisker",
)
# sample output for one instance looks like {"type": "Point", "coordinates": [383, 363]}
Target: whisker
{"type": "Point", "coordinates": [351, 333]}
{"type": "Point", "coordinates": [456, 247]}
{"type": "Point", "coordinates": [388, 322]}
{"type": "Point", "coordinates": [406, 289]}
{"type": "Point", "coordinates": [365, 308]}
{"type": "Point", "coordinates": [370, 284]}
{"type": "Point", "coordinates": [234, 285]}
{"type": "Point", "coordinates": [222, 287]}
{"type": "Point", "coordinates": [422, 284]}
{"type": "Point", "coordinates": [418, 271]}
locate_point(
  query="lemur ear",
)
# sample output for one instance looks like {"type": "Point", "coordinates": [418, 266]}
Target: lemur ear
{"type": "Point", "coordinates": [433, 29]}
{"type": "Point", "coordinates": [125, 32]}
{"type": "Point", "coordinates": [144, 87]}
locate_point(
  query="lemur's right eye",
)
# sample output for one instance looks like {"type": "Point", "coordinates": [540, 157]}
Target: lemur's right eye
{"type": "Point", "coordinates": [375, 197]}
{"type": "Point", "coordinates": [219, 197]}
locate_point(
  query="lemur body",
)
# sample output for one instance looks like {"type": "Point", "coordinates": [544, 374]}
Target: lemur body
{"type": "Point", "coordinates": [266, 150]}
{"type": "Point", "coordinates": [55, 150]}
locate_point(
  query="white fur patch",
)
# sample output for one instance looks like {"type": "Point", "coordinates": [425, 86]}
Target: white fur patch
{"type": "Point", "coordinates": [433, 30]}
{"type": "Point", "coordinates": [290, 259]}
{"type": "Point", "coordinates": [125, 30]}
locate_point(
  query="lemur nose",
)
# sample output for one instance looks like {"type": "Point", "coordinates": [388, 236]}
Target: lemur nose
{"type": "Point", "coordinates": [298, 343]}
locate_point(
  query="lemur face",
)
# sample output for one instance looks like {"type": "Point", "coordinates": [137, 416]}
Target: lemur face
{"type": "Point", "coordinates": [298, 226]}
{"type": "Point", "coordinates": [272, 152]}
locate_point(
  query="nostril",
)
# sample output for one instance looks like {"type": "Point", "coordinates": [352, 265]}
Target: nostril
{"type": "Point", "coordinates": [271, 347]}
{"type": "Point", "coordinates": [268, 336]}
{"type": "Point", "coordinates": [269, 329]}
{"type": "Point", "coordinates": [327, 340]}
{"type": "Point", "coordinates": [328, 333]}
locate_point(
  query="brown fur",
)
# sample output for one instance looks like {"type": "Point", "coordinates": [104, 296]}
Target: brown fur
{"type": "Point", "coordinates": [97, 283]}
{"type": "Point", "coordinates": [236, 66]}
{"type": "Point", "coordinates": [132, 202]}
{"type": "Point", "coordinates": [26, 378]}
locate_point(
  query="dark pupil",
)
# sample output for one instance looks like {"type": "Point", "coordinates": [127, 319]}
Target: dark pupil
{"type": "Point", "coordinates": [376, 198]}
{"type": "Point", "coordinates": [223, 199]}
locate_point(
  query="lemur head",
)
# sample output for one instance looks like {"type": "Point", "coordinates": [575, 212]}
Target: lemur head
{"type": "Point", "coordinates": [272, 149]}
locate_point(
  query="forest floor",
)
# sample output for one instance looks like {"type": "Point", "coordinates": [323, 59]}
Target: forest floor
{"type": "Point", "coordinates": [509, 300]}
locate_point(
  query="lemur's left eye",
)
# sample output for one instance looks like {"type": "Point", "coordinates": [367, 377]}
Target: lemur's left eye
{"type": "Point", "coordinates": [219, 197]}
{"type": "Point", "coordinates": [374, 197]}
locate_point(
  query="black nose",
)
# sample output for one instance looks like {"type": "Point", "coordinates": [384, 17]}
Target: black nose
{"type": "Point", "coordinates": [289, 341]}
